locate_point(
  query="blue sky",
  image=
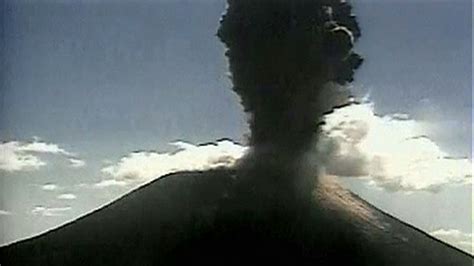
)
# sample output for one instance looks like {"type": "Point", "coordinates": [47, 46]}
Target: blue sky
{"type": "Point", "coordinates": [102, 79]}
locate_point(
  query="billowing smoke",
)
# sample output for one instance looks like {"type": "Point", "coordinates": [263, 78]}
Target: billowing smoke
{"type": "Point", "coordinates": [289, 62]}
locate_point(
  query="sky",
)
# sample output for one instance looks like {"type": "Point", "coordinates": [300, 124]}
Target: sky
{"type": "Point", "coordinates": [98, 97]}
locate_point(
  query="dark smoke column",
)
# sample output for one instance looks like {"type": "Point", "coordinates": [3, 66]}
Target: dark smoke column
{"type": "Point", "coordinates": [288, 60]}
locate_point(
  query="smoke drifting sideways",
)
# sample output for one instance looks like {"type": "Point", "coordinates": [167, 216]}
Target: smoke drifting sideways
{"type": "Point", "coordinates": [289, 63]}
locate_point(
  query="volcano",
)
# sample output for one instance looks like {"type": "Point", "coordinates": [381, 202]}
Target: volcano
{"type": "Point", "coordinates": [290, 62]}
{"type": "Point", "coordinates": [212, 218]}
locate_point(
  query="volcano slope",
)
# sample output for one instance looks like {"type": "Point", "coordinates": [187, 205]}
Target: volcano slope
{"type": "Point", "coordinates": [213, 218]}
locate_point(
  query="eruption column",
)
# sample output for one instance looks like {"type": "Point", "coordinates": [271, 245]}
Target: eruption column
{"type": "Point", "coordinates": [289, 61]}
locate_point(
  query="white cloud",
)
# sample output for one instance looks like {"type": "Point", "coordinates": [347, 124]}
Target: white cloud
{"type": "Point", "coordinates": [5, 213]}
{"type": "Point", "coordinates": [390, 151]}
{"type": "Point", "coordinates": [47, 211]}
{"type": "Point", "coordinates": [456, 238]}
{"type": "Point", "coordinates": [67, 196]}
{"type": "Point", "coordinates": [12, 159]}
{"type": "Point", "coordinates": [42, 147]}
{"type": "Point", "coordinates": [109, 183]}
{"type": "Point", "coordinates": [49, 187]}
{"type": "Point", "coordinates": [19, 156]}
{"type": "Point", "coordinates": [76, 163]}
{"type": "Point", "coordinates": [146, 165]}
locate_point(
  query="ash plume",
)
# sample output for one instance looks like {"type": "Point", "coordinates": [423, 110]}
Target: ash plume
{"type": "Point", "coordinates": [289, 62]}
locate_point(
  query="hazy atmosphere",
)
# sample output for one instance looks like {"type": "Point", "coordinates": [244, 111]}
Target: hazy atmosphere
{"type": "Point", "coordinates": [100, 97]}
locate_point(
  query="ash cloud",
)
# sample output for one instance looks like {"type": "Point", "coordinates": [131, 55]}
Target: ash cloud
{"type": "Point", "coordinates": [289, 62]}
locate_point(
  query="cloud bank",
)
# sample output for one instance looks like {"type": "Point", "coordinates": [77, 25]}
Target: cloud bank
{"type": "Point", "coordinates": [456, 238]}
{"type": "Point", "coordinates": [24, 156]}
{"type": "Point", "coordinates": [143, 166]}
{"type": "Point", "coordinates": [390, 151]}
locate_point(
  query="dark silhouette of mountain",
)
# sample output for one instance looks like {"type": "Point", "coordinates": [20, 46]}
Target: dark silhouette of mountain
{"type": "Point", "coordinates": [217, 218]}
